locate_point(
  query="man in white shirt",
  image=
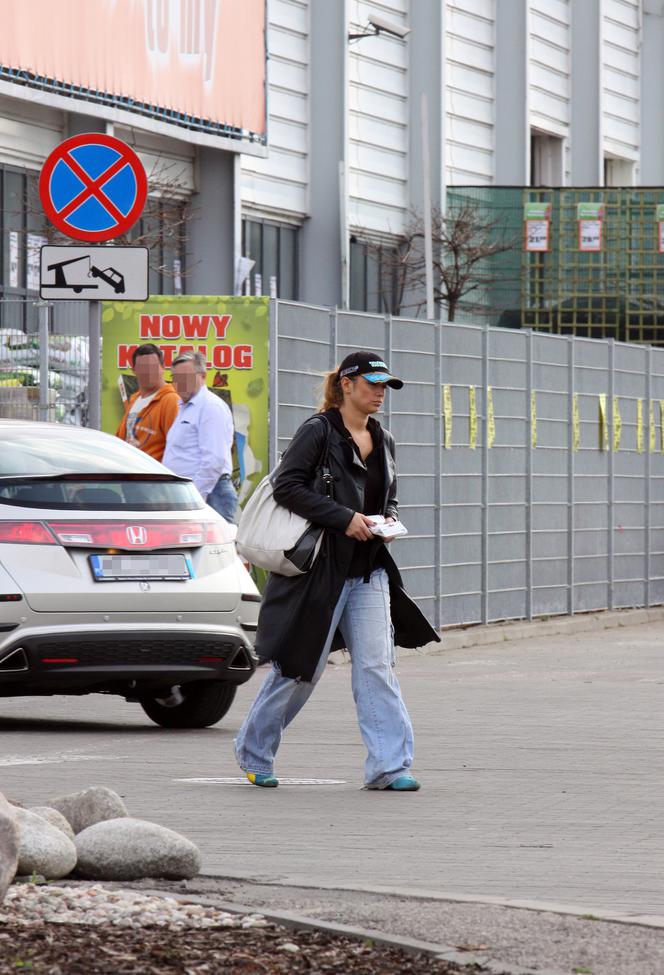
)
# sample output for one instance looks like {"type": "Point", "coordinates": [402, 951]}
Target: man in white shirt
{"type": "Point", "coordinates": [200, 441]}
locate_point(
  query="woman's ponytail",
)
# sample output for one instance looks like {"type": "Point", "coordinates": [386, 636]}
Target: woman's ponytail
{"type": "Point", "coordinates": [330, 391]}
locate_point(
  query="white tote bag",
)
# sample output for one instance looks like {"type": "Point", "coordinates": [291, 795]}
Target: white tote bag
{"type": "Point", "coordinates": [274, 538]}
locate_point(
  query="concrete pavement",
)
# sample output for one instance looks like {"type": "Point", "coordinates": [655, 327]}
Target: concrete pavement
{"type": "Point", "coordinates": [541, 760]}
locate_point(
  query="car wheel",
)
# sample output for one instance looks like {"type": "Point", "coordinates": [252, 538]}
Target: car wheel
{"type": "Point", "coordinates": [195, 705]}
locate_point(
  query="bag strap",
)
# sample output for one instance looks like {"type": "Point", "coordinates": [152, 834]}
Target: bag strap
{"type": "Point", "coordinates": [324, 462]}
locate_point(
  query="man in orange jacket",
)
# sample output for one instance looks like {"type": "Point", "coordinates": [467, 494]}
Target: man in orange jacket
{"type": "Point", "coordinates": [150, 412]}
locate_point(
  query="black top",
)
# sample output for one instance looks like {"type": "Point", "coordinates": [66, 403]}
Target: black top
{"type": "Point", "coordinates": [367, 555]}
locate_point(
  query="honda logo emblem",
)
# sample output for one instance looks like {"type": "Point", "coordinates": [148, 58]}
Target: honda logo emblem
{"type": "Point", "coordinates": [137, 535]}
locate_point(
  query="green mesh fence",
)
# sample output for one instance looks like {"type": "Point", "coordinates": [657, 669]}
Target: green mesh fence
{"type": "Point", "coordinates": [616, 292]}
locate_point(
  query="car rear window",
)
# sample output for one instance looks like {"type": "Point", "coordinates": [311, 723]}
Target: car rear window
{"type": "Point", "coordinates": [101, 495]}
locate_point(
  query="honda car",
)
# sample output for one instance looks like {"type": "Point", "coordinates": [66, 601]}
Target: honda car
{"type": "Point", "coordinates": [117, 578]}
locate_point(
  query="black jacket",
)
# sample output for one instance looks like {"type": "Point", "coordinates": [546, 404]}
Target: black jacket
{"type": "Point", "coordinates": [296, 611]}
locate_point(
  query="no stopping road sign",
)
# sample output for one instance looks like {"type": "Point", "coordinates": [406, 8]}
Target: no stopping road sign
{"type": "Point", "coordinates": [93, 187]}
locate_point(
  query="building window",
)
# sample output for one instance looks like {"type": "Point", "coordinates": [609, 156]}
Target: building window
{"type": "Point", "coordinates": [618, 172]}
{"type": "Point", "coordinates": [163, 229]}
{"type": "Point", "coordinates": [546, 159]}
{"type": "Point", "coordinates": [273, 249]}
{"type": "Point", "coordinates": [23, 232]}
{"type": "Point", "coordinates": [374, 278]}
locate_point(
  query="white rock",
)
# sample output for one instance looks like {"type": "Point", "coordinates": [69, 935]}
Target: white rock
{"type": "Point", "coordinates": [93, 805]}
{"type": "Point", "coordinates": [43, 849]}
{"type": "Point", "coordinates": [131, 849]}
{"type": "Point", "coordinates": [9, 845]}
{"type": "Point", "coordinates": [53, 817]}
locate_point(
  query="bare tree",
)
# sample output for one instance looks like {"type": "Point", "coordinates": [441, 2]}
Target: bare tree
{"type": "Point", "coordinates": [464, 240]}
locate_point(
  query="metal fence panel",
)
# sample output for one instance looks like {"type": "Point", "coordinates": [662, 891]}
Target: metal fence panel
{"type": "Point", "coordinates": [540, 508]}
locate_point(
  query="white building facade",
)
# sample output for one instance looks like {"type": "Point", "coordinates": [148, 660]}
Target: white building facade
{"type": "Point", "coordinates": [518, 92]}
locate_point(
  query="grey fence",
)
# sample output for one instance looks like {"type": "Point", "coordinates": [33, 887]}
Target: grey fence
{"type": "Point", "coordinates": [44, 370]}
{"type": "Point", "coordinates": [539, 490]}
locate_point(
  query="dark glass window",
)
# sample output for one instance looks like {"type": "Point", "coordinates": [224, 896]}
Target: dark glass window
{"type": "Point", "coordinates": [374, 278]}
{"type": "Point", "coordinates": [273, 248]}
{"type": "Point", "coordinates": [23, 233]}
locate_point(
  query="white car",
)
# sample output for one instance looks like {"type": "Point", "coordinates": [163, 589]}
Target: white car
{"type": "Point", "coordinates": [117, 578]}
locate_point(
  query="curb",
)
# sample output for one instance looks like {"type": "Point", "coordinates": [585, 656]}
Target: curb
{"type": "Point", "coordinates": [480, 635]}
{"type": "Point", "coordinates": [653, 921]}
{"type": "Point", "coordinates": [301, 922]}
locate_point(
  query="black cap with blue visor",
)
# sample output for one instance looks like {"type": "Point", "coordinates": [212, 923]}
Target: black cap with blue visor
{"type": "Point", "coordinates": [371, 367]}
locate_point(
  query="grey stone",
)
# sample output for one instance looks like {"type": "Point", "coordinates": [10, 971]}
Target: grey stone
{"type": "Point", "coordinates": [9, 843]}
{"type": "Point", "coordinates": [93, 805]}
{"type": "Point", "coordinates": [55, 818]}
{"type": "Point", "coordinates": [44, 849]}
{"type": "Point", "coordinates": [131, 849]}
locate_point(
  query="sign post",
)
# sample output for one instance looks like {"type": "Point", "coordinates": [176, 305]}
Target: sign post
{"type": "Point", "coordinates": [93, 188]}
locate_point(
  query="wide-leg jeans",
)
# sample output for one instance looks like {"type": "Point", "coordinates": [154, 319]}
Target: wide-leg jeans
{"type": "Point", "coordinates": [363, 615]}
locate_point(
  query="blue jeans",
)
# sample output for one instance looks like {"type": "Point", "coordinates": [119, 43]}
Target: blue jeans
{"type": "Point", "coordinates": [363, 615]}
{"type": "Point", "coordinates": [223, 498]}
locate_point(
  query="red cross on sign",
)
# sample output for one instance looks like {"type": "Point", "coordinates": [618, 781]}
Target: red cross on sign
{"type": "Point", "coordinates": [93, 187]}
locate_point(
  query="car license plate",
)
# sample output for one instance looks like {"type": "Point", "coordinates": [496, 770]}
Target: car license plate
{"type": "Point", "coordinates": [140, 568]}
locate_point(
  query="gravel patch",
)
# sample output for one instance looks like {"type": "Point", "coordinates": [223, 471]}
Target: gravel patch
{"type": "Point", "coordinates": [92, 930]}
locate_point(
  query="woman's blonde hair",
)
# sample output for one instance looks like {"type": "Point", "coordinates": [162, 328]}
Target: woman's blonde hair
{"type": "Point", "coordinates": [330, 391]}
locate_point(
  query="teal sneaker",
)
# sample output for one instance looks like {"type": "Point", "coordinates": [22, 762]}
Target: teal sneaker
{"type": "Point", "coordinates": [405, 783]}
{"type": "Point", "coordinates": [265, 781]}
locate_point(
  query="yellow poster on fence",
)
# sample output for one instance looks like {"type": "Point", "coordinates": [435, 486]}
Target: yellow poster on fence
{"type": "Point", "coordinates": [472, 414]}
{"type": "Point", "coordinates": [233, 335]}
{"type": "Point", "coordinates": [652, 431]}
{"type": "Point", "coordinates": [533, 419]}
{"type": "Point", "coordinates": [447, 411]}
{"type": "Point", "coordinates": [490, 421]}
{"type": "Point", "coordinates": [617, 424]}
{"type": "Point", "coordinates": [603, 429]}
{"type": "Point", "coordinates": [661, 425]}
{"type": "Point", "coordinates": [576, 423]}
{"type": "Point", "coordinates": [639, 425]}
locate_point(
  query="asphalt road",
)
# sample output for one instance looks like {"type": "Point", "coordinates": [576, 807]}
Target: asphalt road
{"type": "Point", "coordinates": [541, 763]}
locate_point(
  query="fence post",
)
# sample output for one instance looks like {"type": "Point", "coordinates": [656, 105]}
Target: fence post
{"type": "Point", "coordinates": [94, 365]}
{"type": "Point", "coordinates": [570, 476]}
{"type": "Point", "coordinates": [273, 448]}
{"type": "Point", "coordinates": [646, 448]}
{"type": "Point", "coordinates": [485, 478]}
{"type": "Point", "coordinates": [438, 473]}
{"type": "Point", "coordinates": [529, 475]}
{"type": "Point", "coordinates": [387, 403]}
{"type": "Point", "coordinates": [609, 515]}
{"type": "Point", "coordinates": [43, 309]}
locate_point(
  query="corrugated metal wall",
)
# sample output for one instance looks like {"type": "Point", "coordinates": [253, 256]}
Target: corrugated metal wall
{"type": "Point", "coordinates": [528, 511]}
{"type": "Point", "coordinates": [378, 117]}
{"type": "Point", "coordinates": [469, 94]}
{"type": "Point", "coordinates": [621, 73]}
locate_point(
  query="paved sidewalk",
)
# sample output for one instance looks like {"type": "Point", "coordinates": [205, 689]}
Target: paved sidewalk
{"type": "Point", "coordinates": [541, 759]}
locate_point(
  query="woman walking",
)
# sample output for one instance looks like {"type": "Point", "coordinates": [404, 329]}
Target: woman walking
{"type": "Point", "coordinates": [352, 597]}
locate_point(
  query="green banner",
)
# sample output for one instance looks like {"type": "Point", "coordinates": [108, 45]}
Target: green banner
{"type": "Point", "coordinates": [589, 211]}
{"type": "Point", "coordinates": [536, 211]}
{"type": "Point", "coordinates": [232, 332]}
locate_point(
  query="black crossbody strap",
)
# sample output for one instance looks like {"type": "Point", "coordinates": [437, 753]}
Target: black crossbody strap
{"type": "Point", "coordinates": [324, 462]}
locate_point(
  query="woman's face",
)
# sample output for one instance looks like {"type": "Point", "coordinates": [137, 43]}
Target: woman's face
{"type": "Point", "coordinates": [364, 396]}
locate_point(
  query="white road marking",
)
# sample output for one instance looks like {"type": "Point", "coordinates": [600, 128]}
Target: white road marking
{"type": "Point", "coordinates": [242, 781]}
{"type": "Point", "coordinates": [56, 759]}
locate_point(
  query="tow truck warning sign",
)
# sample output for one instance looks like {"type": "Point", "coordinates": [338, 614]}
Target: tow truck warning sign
{"type": "Point", "coordinates": [93, 273]}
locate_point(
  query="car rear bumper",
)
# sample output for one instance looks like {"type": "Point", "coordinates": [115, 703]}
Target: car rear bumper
{"type": "Point", "coordinates": [125, 660]}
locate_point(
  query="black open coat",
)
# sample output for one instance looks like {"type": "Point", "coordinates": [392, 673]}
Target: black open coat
{"type": "Point", "coordinates": [296, 612]}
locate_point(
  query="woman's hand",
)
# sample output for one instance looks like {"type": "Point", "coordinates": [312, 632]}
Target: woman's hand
{"type": "Point", "coordinates": [358, 528]}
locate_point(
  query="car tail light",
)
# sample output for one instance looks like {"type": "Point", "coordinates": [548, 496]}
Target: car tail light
{"type": "Point", "coordinates": [121, 535]}
{"type": "Point", "coordinates": [25, 533]}
{"type": "Point", "coordinates": [132, 536]}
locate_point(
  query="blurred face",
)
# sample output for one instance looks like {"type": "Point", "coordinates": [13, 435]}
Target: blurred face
{"type": "Point", "coordinates": [149, 371]}
{"type": "Point", "coordinates": [362, 395]}
{"type": "Point", "coordinates": [187, 381]}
